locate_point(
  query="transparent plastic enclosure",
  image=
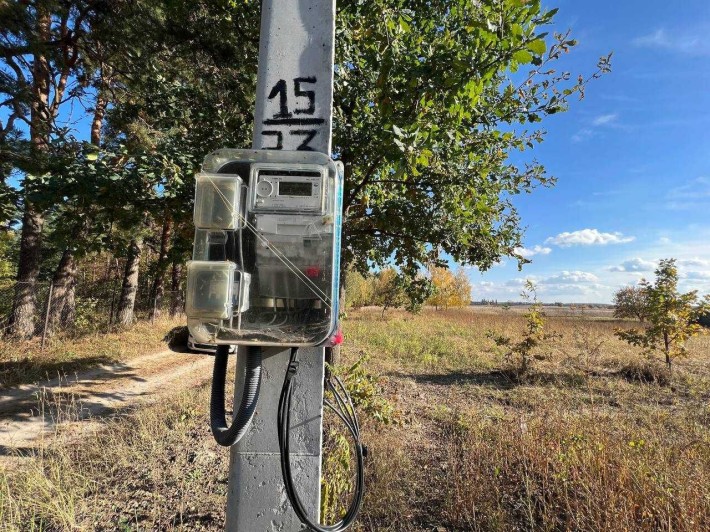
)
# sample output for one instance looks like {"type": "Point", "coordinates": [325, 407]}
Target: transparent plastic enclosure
{"type": "Point", "coordinates": [266, 259]}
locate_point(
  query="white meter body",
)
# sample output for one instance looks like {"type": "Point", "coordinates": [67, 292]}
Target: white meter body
{"type": "Point", "coordinates": [266, 260]}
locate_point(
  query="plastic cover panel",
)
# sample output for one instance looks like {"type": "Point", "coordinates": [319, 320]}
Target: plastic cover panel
{"type": "Point", "coordinates": [282, 245]}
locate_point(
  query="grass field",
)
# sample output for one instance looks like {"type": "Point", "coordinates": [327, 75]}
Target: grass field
{"type": "Point", "coordinates": [595, 437]}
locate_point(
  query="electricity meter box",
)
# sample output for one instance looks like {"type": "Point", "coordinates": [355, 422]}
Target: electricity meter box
{"type": "Point", "coordinates": [266, 259]}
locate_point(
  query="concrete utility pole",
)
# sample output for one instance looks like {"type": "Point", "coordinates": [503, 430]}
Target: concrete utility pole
{"type": "Point", "coordinates": [294, 111]}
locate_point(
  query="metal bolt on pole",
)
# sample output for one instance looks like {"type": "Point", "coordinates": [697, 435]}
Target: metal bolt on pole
{"type": "Point", "coordinates": [294, 111]}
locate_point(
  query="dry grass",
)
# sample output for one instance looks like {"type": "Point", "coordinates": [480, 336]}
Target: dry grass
{"type": "Point", "coordinates": [156, 468]}
{"type": "Point", "coordinates": [23, 362]}
{"type": "Point", "coordinates": [596, 438]}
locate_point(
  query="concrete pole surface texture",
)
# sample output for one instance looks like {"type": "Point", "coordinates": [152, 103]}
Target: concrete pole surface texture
{"type": "Point", "coordinates": [294, 111]}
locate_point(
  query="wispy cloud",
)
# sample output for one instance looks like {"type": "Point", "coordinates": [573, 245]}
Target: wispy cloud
{"type": "Point", "coordinates": [676, 41]}
{"type": "Point", "coordinates": [588, 237]}
{"type": "Point", "coordinates": [693, 190]}
{"type": "Point", "coordinates": [570, 277]}
{"type": "Point", "coordinates": [583, 134]}
{"type": "Point", "coordinates": [690, 196]}
{"type": "Point", "coordinates": [698, 276]}
{"type": "Point", "coordinates": [634, 265]}
{"type": "Point", "coordinates": [608, 120]}
{"type": "Point", "coordinates": [531, 252]}
{"type": "Point", "coordinates": [694, 263]}
{"type": "Point", "coordinates": [602, 120]}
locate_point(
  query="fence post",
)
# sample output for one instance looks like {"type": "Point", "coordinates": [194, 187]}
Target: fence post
{"type": "Point", "coordinates": [46, 314]}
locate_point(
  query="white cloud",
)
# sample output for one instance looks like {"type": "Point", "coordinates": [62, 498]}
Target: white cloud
{"type": "Point", "coordinates": [602, 120]}
{"type": "Point", "coordinates": [570, 277]}
{"type": "Point", "coordinates": [676, 41]}
{"type": "Point", "coordinates": [588, 237]}
{"type": "Point", "coordinates": [694, 263]}
{"type": "Point", "coordinates": [519, 282]}
{"type": "Point", "coordinates": [634, 265]}
{"type": "Point", "coordinates": [697, 189]}
{"type": "Point", "coordinates": [582, 135]}
{"type": "Point", "coordinates": [531, 252]}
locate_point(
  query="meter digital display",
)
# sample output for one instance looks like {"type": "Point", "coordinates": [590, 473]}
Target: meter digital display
{"type": "Point", "coordinates": [265, 267]}
{"type": "Point", "coordinates": [295, 188]}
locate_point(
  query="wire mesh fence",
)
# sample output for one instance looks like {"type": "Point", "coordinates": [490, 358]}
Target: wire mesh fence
{"type": "Point", "coordinates": [48, 309]}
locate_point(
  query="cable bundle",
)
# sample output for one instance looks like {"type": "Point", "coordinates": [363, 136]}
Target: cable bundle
{"type": "Point", "coordinates": [345, 410]}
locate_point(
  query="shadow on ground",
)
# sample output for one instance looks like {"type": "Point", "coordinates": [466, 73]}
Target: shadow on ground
{"type": "Point", "coordinates": [499, 379]}
{"type": "Point", "coordinates": [13, 373]}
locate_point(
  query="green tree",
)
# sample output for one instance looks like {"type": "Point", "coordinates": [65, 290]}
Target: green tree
{"type": "Point", "coordinates": [521, 353]}
{"type": "Point", "coordinates": [672, 316]}
{"type": "Point", "coordinates": [359, 289]}
{"type": "Point", "coordinates": [430, 101]}
{"type": "Point", "coordinates": [189, 89]}
{"type": "Point", "coordinates": [631, 302]}
{"type": "Point", "coordinates": [45, 68]}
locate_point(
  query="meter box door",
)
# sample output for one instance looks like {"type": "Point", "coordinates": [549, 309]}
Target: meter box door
{"type": "Point", "coordinates": [275, 218]}
{"type": "Point", "coordinates": [217, 201]}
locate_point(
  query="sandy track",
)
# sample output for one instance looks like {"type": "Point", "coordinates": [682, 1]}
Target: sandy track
{"type": "Point", "coordinates": [30, 411]}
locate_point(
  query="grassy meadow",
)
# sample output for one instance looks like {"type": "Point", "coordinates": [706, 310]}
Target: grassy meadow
{"type": "Point", "coordinates": [595, 436]}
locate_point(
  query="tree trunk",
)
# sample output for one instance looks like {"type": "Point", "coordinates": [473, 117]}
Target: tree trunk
{"type": "Point", "coordinates": [97, 121]}
{"type": "Point", "coordinates": [158, 290]}
{"type": "Point", "coordinates": [69, 311]}
{"type": "Point", "coordinates": [64, 281]}
{"type": "Point", "coordinates": [667, 345]}
{"type": "Point", "coordinates": [129, 289]}
{"type": "Point", "coordinates": [176, 298]}
{"type": "Point", "coordinates": [24, 311]}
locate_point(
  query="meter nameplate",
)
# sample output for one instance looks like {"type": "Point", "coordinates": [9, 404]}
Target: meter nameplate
{"type": "Point", "coordinates": [288, 188]}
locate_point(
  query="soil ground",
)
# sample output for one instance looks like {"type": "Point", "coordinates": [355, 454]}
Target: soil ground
{"type": "Point", "coordinates": [71, 401]}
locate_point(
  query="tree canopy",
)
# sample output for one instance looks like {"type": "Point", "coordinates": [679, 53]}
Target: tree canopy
{"type": "Point", "coordinates": [431, 98]}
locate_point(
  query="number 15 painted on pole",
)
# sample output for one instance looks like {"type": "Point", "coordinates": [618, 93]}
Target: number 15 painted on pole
{"type": "Point", "coordinates": [293, 119]}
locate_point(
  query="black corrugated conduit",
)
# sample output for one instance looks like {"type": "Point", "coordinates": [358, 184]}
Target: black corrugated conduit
{"type": "Point", "coordinates": [224, 434]}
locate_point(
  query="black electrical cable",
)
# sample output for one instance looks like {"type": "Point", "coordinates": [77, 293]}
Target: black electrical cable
{"type": "Point", "coordinates": [229, 435]}
{"type": "Point", "coordinates": [346, 412]}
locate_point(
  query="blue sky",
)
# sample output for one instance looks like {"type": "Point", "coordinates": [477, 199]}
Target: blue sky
{"type": "Point", "coordinates": [632, 159]}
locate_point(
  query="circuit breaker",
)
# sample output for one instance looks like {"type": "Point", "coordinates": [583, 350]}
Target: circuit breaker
{"type": "Point", "coordinates": [266, 259]}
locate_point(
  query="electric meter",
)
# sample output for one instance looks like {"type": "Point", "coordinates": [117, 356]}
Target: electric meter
{"type": "Point", "coordinates": [266, 258]}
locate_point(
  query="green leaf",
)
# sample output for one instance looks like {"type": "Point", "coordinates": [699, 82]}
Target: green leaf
{"type": "Point", "coordinates": [537, 46]}
{"type": "Point", "coordinates": [523, 56]}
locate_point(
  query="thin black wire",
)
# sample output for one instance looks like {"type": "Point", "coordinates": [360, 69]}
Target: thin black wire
{"type": "Point", "coordinates": [346, 412]}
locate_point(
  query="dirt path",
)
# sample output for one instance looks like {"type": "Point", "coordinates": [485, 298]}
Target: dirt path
{"type": "Point", "coordinates": [30, 411]}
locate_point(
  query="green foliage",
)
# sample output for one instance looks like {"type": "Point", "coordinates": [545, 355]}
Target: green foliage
{"type": "Point", "coordinates": [428, 108]}
{"type": "Point", "coordinates": [366, 393]}
{"type": "Point", "coordinates": [365, 390]}
{"type": "Point", "coordinates": [631, 302]}
{"type": "Point", "coordinates": [672, 316]}
{"type": "Point", "coordinates": [359, 290]}
{"type": "Point", "coordinates": [9, 253]}
{"type": "Point", "coordinates": [89, 319]}
{"type": "Point", "coordinates": [336, 480]}
{"type": "Point", "coordinates": [534, 336]}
